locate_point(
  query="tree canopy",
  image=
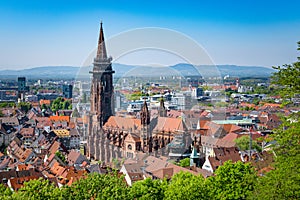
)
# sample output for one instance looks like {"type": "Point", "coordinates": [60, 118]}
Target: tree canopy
{"type": "Point", "coordinates": [232, 181]}
{"type": "Point", "coordinates": [243, 144]}
{"type": "Point", "coordinates": [283, 182]}
{"type": "Point", "coordinates": [287, 78]}
{"type": "Point", "coordinates": [24, 106]}
{"type": "Point", "coordinates": [61, 104]}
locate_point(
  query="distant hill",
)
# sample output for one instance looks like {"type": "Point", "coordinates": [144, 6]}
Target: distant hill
{"type": "Point", "coordinates": [183, 69]}
{"type": "Point", "coordinates": [45, 72]}
{"type": "Point", "coordinates": [223, 70]}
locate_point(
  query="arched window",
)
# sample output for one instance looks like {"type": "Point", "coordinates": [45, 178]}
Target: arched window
{"type": "Point", "coordinates": [129, 147]}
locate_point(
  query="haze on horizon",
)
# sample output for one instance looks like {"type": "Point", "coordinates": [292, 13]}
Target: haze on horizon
{"type": "Point", "coordinates": [56, 33]}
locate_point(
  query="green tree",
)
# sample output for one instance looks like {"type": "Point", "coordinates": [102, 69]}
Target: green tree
{"type": "Point", "coordinates": [5, 192]}
{"type": "Point", "coordinates": [184, 162]}
{"type": "Point", "coordinates": [148, 189]}
{"type": "Point", "coordinates": [61, 104]}
{"type": "Point", "coordinates": [243, 144]}
{"type": "Point", "coordinates": [256, 100]}
{"type": "Point", "coordinates": [60, 156]}
{"type": "Point", "coordinates": [288, 78]}
{"type": "Point", "coordinates": [284, 181]}
{"type": "Point", "coordinates": [44, 106]}
{"type": "Point", "coordinates": [232, 181]}
{"type": "Point", "coordinates": [185, 185]}
{"type": "Point", "coordinates": [24, 106]}
{"type": "Point", "coordinates": [98, 186]}
{"type": "Point", "coordinates": [37, 189]}
{"type": "Point", "coordinates": [3, 105]}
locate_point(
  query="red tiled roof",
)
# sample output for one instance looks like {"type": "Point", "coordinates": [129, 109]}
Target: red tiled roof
{"type": "Point", "coordinates": [54, 147]}
{"type": "Point", "coordinates": [27, 132]}
{"type": "Point", "coordinates": [222, 155]}
{"type": "Point", "coordinates": [121, 122]}
{"type": "Point", "coordinates": [164, 173]}
{"type": "Point", "coordinates": [170, 124]}
{"type": "Point", "coordinates": [230, 137]}
{"type": "Point", "coordinates": [60, 118]}
{"type": "Point", "coordinates": [45, 101]}
{"type": "Point", "coordinates": [17, 183]}
{"type": "Point", "coordinates": [229, 128]}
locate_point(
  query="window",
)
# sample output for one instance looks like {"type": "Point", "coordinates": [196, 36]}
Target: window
{"type": "Point", "coordinates": [129, 147]}
{"type": "Point", "coordinates": [129, 155]}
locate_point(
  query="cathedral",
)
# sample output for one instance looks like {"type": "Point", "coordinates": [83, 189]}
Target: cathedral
{"type": "Point", "coordinates": [111, 137]}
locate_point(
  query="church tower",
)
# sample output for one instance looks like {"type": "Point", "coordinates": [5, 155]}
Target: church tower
{"type": "Point", "coordinates": [146, 136]}
{"type": "Point", "coordinates": [162, 110]}
{"type": "Point", "coordinates": [102, 84]}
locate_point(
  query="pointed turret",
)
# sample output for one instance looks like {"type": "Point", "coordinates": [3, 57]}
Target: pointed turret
{"type": "Point", "coordinates": [101, 53]}
{"type": "Point", "coordinates": [146, 135]}
{"type": "Point", "coordinates": [194, 158]}
{"type": "Point", "coordinates": [145, 115]}
{"type": "Point", "coordinates": [162, 109]}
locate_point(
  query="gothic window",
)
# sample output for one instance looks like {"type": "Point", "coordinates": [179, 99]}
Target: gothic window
{"type": "Point", "coordinates": [107, 85]}
{"type": "Point", "coordinates": [129, 147]}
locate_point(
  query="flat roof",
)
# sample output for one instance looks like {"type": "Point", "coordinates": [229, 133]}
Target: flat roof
{"type": "Point", "coordinates": [236, 122]}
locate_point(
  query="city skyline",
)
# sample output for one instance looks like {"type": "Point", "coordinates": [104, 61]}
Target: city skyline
{"type": "Point", "coordinates": [53, 34]}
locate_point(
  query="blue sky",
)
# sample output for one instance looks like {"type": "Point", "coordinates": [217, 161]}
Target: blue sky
{"type": "Point", "coordinates": [46, 33]}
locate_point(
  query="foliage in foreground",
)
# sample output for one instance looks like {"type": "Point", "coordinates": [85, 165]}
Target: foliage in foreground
{"type": "Point", "coordinates": [232, 181]}
{"type": "Point", "coordinates": [284, 181]}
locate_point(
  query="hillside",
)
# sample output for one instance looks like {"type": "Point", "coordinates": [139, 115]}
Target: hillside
{"type": "Point", "coordinates": [69, 72]}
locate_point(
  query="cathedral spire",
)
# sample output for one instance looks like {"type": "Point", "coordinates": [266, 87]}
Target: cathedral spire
{"type": "Point", "coordinates": [145, 115]}
{"type": "Point", "coordinates": [102, 88]}
{"type": "Point", "coordinates": [101, 52]}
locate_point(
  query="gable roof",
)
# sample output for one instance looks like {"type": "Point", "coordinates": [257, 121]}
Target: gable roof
{"type": "Point", "coordinates": [54, 147]}
{"type": "Point", "coordinates": [16, 174]}
{"type": "Point", "coordinates": [164, 173]}
{"type": "Point", "coordinates": [17, 183]}
{"type": "Point", "coordinates": [229, 128]}
{"type": "Point", "coordinates": [231, 137]}
{"type": "Point", "coordinates": [74, 157]}
{"type": "Point", "coordinates": [170, 124]}
{"type": "Point", "coordinates": [27, 132]}
{"type": "Point", "coordinates": [132, 137]}
{"type": "Point", "coordinates": [222, 155]}
{"type": "Point", "coordinates": [123, 123]}
{"type": "Point", "coordinates": [10, 121]}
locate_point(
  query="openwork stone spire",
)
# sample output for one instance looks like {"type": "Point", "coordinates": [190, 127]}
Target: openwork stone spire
{"type": "Point", "coordinates": [101, 53]}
